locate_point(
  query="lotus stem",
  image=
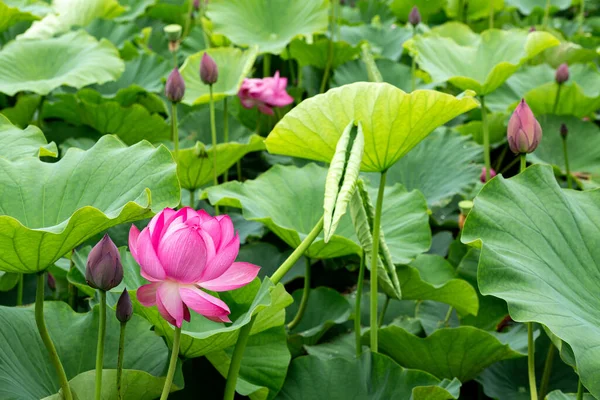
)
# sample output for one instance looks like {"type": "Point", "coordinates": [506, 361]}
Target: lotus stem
{"type": "Point", "coordinates": [172, 365]}
{"type": "Point", "coordinates": [567, 169]}
{"type": "Point", "coordinates": [100, 346]}
{"type": "Point", "coordinates": [291, 65]}
{"type": "Point", "coordinates": [357, 313]}
{"type": "Point", "coordinates": [20, 290]}
{"type": "Point", "coordinates": [383, 311]}
{"type": "Point", "coordinates": [304, 301]}
{"type": "Point", "coordinates": [190, 18]}
{"type": "Point", "coordinates": [225, 134]}
{"type": "Point", "coordinates": [547, 371]}
{"type": "Point", "coordinates": [213, 131]}
{"type": "Point", "coordinates": [491, 14]}
{"type": "Point", "coordinates": [238, 166]}
{"type": "Point", "coordinates": [413, 66]}
{"type": "Point", "coordinates": [266, 65]}
{"type": "Point", "coordinates": [523, 164]}
{"type": "Point", "coordinates": [174, 130]}
{"type": "Point", "coordinates": [580, 390]}
{"type": "Point", "coordinates": [330, 49]}
{"type": "Point", "coordinates": [486, 140]}
{"type": "Point", "coordinates": [448, 316]}
{"type": "Point", "coordinates": [531, 357]}
{"type": "Point", "coordinates": [193, 198]}
{"type": "Point", "coordinates": [556, 99]}
{"type": "Point", "coordinates": [236, 360]}
{"type": "Point", "coordinates": [546, 15]}
{"type": "Point", "coordinates": [374, 259]}
{"type": "Point", "coordinates": [120, 359]}
{"type": "Point", "coordinates": [41, 325]}
{"type": "Point", "coordinates": [581, 17]}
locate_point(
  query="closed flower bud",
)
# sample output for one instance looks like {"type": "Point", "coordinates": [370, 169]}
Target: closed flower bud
{"type": "Point", "coordinates": [562, 73]}
{"type": "Point", "coordinates": [209, 72]}
{"type": "Point", "coordinates": [51, 282]}
{"type": "Point", "coordinates": [175, 87]}
{"type": "Point", "coordinates": [124, 307]}
{"type": "Point", "coordinates": [104, 270]}
{"type": "Point", "coordinates": [483, 174]}
{"type": "Point", "coordinates": [532, 29]}
{"type": "Point", "coordinates": [172, 32]}
{"type": "Point", "coordinates": [564, 131]}
{"type": "Point", "coordinates": [414, 17]}
{"type": "Point", "coordinates": [524, 131]}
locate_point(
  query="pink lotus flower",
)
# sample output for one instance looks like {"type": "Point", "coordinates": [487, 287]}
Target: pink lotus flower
{"type": "Point", "coordinates": [181, 253]}
{"type": "Point", "coordinates": [524, 131]}
{"type": "Point", "coordinates": [265, 93]}
{"type": "Point", "coordinates": [483, 174]}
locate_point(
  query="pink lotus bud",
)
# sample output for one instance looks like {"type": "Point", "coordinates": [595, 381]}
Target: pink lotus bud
{"type": "Point", "coordinates": [104, 270]}
{"type": "Point", "coordinates": [483, 174]}
{"type": "Point", "coordinates": [183, 253]}
{"type": "Point", "coordinates": [175, 87]}
{"type": "Point", "coordinates": [51, 281]}
{"type": "Point", "coordinates": [209, 72]}
{"type": "Point", "coordinates": [196, 5]}
{"type": "Point", "coordinates": [524, 131]}
{"type": "Point", "coordinates": [414, 17]}
{"type": "Point", "coordinates": [562, 73]}
{"type": "Point", "coordinates": [564, 131]}
{"type": "Point", "coordinates": [124, 307]}
{"type": "Point", "coordinates": [532, 29]}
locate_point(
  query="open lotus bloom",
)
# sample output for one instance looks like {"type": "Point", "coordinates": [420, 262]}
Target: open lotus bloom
{"type": "Point", "coordinates": [265, 93]}
{"type": "Point", "coordinates": [182, 252]}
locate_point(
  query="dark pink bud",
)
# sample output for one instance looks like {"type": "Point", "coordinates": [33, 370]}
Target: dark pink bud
{"type": "Point", "coordinates": [209, 72]}
{"type": "Point", "coordinates": [483, 174]}
{"type": "Point", "coordinates": [524, 132]}
{"type": "Point", "coordinates": [532, 29]}
{"type": "Point", "coordinates": [414, 17]}
{"type": "Point", "coordinates": [51, 281]}
{"type": "Point", "coordinates": [562, 73]}
{"type": "Point", "coordinates": [104, 270]}
{"type": "Point", "coordinates": [124, 307]}
{"type": "Point", "coordinates": [564, 131]}
{"type": "Point", "coordinates": [196, 5]}
{"type": "Point", "coordinates": [175, 87]}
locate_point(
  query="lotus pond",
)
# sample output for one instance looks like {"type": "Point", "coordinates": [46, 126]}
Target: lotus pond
{"type": "Point", "coordinates": [299, 199]}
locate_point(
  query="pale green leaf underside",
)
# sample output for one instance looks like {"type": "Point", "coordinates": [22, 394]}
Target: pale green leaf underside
{"type": "Point", "coordinates": [17, 143]}
{"type": "Point", "coordinates": [529, 6]}
{"type": "Point", "coordinates": [542, 258]}
{"type": "Point", "coordinates": [48, 209]}
{"type": "Point", "coordinates": [74, 59]}
{"type": "Point", "coordinates": [11, 14]}
{"type": "Point", "coordinates": [393, 122]}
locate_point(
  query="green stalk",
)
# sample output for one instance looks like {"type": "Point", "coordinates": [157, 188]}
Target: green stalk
{"type": "Point", "coordinates": [193, 198]}
{"type": "Point", "coordinates": [580, 390]}
{"type": "Point", "coordinates": [546, 15]}
{"type": "Point", "coordinates": [523, 162]}
{"type": "Point", "coordinates": [213, 131]}
{"type": "Point", "coordinates": [266, 65]}
{"type": "Point", "coordinates": [291, 65]}
{"type": "Point", "coordinates": [120, 359]}
{"type": "Point", "coordinates": [175, 59]}
{"type": "Point", "coordinates": [174, 130]}
{"type": "Point", "coordinates": [41, 325]}
{"type": "Point", "coordinates": [567, 169]}
{"type": "Point", "coordinates": [359, 290]}
{"type": "Point", "coordinates": [374, 259]}
{"type": "Point", "coordinates": [100, 347]}
{"type": "Point", "coordinates": [581, 17]}
{"type": "Point", "coordinates": [172, 365]}
{"type": "Point", "coordinates": [225, 133]}
{"type": "Point", "coordinates": [491, 14]}
{"type": "Point", "coordinates": [448, 316]}
{"type": "Point", "coordinates": [413, 67]}
{"type": "Point", "coordinates": [556, 99]}
{"type": "Point", "coordinates": [304, 301]}
{"type": "Point", "coordinates": [531, 360]}
{"type": "Point", "coordinates": [20, 290]}
{"type": "Point", "coordinates": [383, 311]}
{"type": "Point", "coordinates": [188, 22]}
{"type": "Point", "coordinates": [236, 360]}
{"type": "Point", "coordinates": [330, 48]}
{"type": "Point", "coordinates": [461, 9]}
{"type": "Point", "coordinates": [486, 141]}
{"type": "Point", "coordinates": [238, 166]}
{"type": "Point", "coordinates": [547, 371]}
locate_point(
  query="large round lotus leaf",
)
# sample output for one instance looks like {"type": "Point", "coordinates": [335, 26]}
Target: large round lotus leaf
{"type": "Point", "coordinates": [558, 395]}
{"type": "Point", "coordinates": [476, 9]}
{"type": "Point", "coordinates": [453, 53]}
{"type": "Point", "coordinates": [316, 53]}
{"type": "Point", "coordinates": [401, 8]}
{"type": "Point", "coordinates": [392, 72]}
{"type": "Point", "coordinates": [383, 40]}
{"type": "Point", "coordinates": [393, 122]}
{"type": "Point", "coordinates": [543, 260]}
{"type": "Point", "coordinates": [268, 24]}
{"type": "Point", "coordinates": [272, 199]}
{"type": "Point", "coordinates": [74, 59]}
{"type": "Point", "coordinates": [16, 143]}
{"type": "Point", "coordinates": [71, 13]}
{"type": "Point", "coordinates": [372, 377]}
{"type": "Point", "coordinates": [13, 11]}
{"type": "Point", "coordinates": [529, 6]}
{"type": "Point", "coordinates": [234, 64]}
{"type": "Point", "coordinates": [27, 373]}
{"type": "Point", "coordinates": [570, 53]}
{"type": "Point", "coordinates": [49, 208]}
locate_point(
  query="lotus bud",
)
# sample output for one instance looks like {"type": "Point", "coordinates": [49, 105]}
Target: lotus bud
{"type": "Point", "coordinates": [209, 72]}
{"type": "Point", "coordinates": [414, 17]}
{"type": "Point", "coordinates": [564, 131]}
{"type": "Point", "coordinates": [483, 174]}
{"type": "Point", "coordinates": [124, 307]}
{"type": "Point", "coordinates": [175, 87]}
{"type": "Point", "coordinates": [51, 282]}
{"type": "Point", "coordinates": [562, 73]}
{"type": "Point", "coordinates": [524, 131]}
{"type": "Point", "coordinates": [532, 29]}
{"type": "Point", "coordinates": [104, 270]}
{"type": "Point", "coordinates": [172, 32]}
{"type": "Point", "coordinates": [196, 5]}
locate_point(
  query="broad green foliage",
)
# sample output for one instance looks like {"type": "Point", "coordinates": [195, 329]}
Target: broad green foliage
{"type": "Point", "coordinates": [272, 199]}
{"type": "Point", "coordinates": [373, 376]}
{"type": "Point", "coordinates": [317, 53]}
{"type": "Point", "coordinates": [393, 122]}
{"type": "Point", "coordinates": [14, 11]}
{"type": "Point", "coordinates": [453, 53]}
{"type": "Point", "coordinates": [356, 71]}
{"type": "Point", "coordinates": [542, 259]}
{"type": "Point", "coordinates": [529, 6]}
{"type": "Point", "coordinates": [74, 59]}
{"type": "Point", "coordinates": [16, 143]}
{"type": "Point", "coordinates": [23, 111]}
{"type": "Point", "coordinates": [51, 208]}
{"type": "Point", "coordinates": [558, 395]}
{"type": "Point", "coordinates": [234, 64]}
{"type": "Point", "coordinates": [476, 9]}
{"type": "Point", "coordinates": [268, 24]}
{"type": "Point", "coordinates": [385, 41]}
{"type": "Point", "coordinates": [26, 371]}
{"type": "Point", "coordinates": [568, 52]}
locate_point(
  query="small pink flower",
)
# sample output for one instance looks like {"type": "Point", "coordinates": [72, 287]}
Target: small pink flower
{"type": "Point", "coordinates": [265, 93]}
{"type": "Point", "coordinates": [524, 131]}
{"type": "Point", "coordinates": [483, 173]}
{"type": "Point", "coordinates": [182, 252]}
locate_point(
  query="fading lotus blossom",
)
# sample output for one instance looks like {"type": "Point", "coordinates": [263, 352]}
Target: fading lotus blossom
{"type": "Point", "coordinates": [524, 132]}
{"type": "Point", "coordinates": [483, 174]}
{"type": "Point", "coordinates": [265, 93]}
{"type": "Point", "coordinates": [183, 252]}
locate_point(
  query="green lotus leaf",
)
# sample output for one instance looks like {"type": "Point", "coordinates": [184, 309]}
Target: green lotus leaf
{"type": "Point", "coordinates": [342, 346]}
{"type": "Point", "coordinates": [234, 64]}
{"type": "Point", "coordinates": [384, 40]}
{"type": "Point", "coordinates": [16, 143]}
{"type": "Point", "coordinates": [558, 395]}
{"type": "Point", "coordinates": [316, 54]}
{"type": "Point", "coordinates": [74, 59]}
{"type": "Point", "coordinates": [49, 209]}
{"type": "Point", "coordinates": [392, 72]}
{"type": "Point", "coordinates": [8, 280]}
{"type": "Point", "coordinates": [272, 199]}
{"type": "Point", "coordinates": [87, 107]}
{"type": "Point", "coordinates": [22, 113]}
{"type": "Point", "coordinates": [133, 9]}
{"type": "Point", "coordinates": [269, 257]}
{"type": "Point", "coordinates": [120, 34]}
{"type": "Point", "coordinates": [393, 122]}
{"type": "Point", "coordinates": [71, 13]}
{"type": "Point", "coordinates": [264, 366]}
{"type": "Point", "coordinates": [27, 373]}
{"type": "Point", "coordinates": [550, 234]}
{"type": "Point", "coordinates": [14, 11]}
{"type": "Point", "coordinates": [268, 24]}
{"type": "Point", "coordinates": [201, 336]}
{"type": "Point", "coordinates": [497, 122]}
{"type": "Point", "coordinates": [476, 9]}
{"type": "Point", "coordinates": [570, 53]}
{"type": "Point", "coordinates": [450, 52]}
{"type": "Point", "coordinates": [433, 315]}
{"type": "Point", "coordinates": [401, 8]}
{"type": "Point", "coordinates": [372, 377]}
{"type": "Point", "coordinates": [529, 6]}
{"type": "Point", "coordinates": [450, 353]}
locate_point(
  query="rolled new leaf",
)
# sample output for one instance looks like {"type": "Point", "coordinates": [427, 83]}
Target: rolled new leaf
{"type": "Point", "coordinates": [341, 177]}
{"type": "Point", "coordinates": [362, 213]}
